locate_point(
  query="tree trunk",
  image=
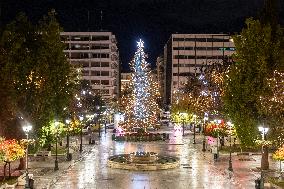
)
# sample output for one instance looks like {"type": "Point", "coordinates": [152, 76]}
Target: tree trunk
{"type": "Point", "coordinates": [22, 164]}
{"type": "Point", "coordinates": [264, 158]}
{"type": "Point", "coordinates": [49, 147]}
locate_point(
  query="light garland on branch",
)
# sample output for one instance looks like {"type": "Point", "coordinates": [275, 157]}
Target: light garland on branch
{"type": "Point", "coordinates": [141, 108]}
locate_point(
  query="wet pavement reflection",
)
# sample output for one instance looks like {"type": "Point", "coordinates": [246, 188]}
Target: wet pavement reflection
{"type": "Point", "coordinates": [195, 171]}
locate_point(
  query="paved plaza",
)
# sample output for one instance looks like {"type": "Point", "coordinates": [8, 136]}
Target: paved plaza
{"type": "Point", "coordinates": [197, 169]}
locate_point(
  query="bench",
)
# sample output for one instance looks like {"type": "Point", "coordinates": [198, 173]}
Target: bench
{"type": "Point", "coordinates": [8, 186]}
{"type": "Point", "coordinates": [43, 153]}
{"type": "Point", "coordinates": [21, 180]}
{"type": "Point", "coordinates": [74, 147]}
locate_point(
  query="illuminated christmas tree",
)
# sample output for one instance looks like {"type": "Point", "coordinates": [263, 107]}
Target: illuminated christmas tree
{"type": "Point", "coordinates": [141, 108]}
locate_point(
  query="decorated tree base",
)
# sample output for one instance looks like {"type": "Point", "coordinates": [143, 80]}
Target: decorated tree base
{"type": "Point", "coordinates": [138, 137]}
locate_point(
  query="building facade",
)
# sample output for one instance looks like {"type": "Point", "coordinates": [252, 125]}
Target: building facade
{"type": "Point", "coordinates": [125, 80]}
{"type": "Point", "coordinates": [186, 54]}
{"type": "Point", "coordinates": [97, 54]}
{"type": "Point", "coordinates": [160, 74]}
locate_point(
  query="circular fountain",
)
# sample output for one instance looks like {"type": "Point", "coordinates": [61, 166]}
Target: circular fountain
{"type": "Point", "coordinates": [144, 161]}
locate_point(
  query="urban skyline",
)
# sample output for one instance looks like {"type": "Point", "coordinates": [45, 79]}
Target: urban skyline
{"type": "Point", "coordinates": [153, 21]}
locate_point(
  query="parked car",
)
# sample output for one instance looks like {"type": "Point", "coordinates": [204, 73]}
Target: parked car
{"type": "Point", "coordinates": [164, 121]}
{"type": "Point", "coordinates": [110, 126]}
{"type": "Point", "coordinates": [85, 130]}
{"type": "Point", "coordinates": [95, 127]}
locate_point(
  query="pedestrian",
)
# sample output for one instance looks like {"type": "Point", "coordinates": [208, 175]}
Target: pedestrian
{"type": "Point", "coordinates": [215, 152]}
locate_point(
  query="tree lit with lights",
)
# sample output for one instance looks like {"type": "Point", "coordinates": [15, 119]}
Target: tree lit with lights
{"type": "Point", "coordinates": [141, 107]}
{"type": "Point", "coordinates": [11, 150]}
{"type": "Point", "coordinates": [203, 94]}
{"type": "Point", "coordinates": [252, 87]}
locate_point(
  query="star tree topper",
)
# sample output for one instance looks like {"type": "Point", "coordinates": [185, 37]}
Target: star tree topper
{"type": "Point", "coordinates": [140, 44]}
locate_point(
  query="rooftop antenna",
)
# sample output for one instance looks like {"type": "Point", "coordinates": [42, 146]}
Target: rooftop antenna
{"type": "Point", "coordinates": [101, 20]}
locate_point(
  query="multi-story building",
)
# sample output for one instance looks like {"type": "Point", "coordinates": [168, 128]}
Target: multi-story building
{"type": "Point", "coordinates": [186, 54]}
{"type": "Point", "coordinates": [160, 74]}
{"type": "Point", "coordinates": [97, 54]}
{"type": "Point", "coordinates": [125, 80]}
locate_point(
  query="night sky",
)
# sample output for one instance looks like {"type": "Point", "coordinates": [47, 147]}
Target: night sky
{"type": "Point", "coordinates": [151, 20]}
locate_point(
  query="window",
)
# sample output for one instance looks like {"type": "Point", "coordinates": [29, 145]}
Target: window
{"type": "Point", "coordinates": [182, 74]}
{"type": "Point", "coordinates": [104, 73]}
{"type": "Point", "coordinates": [85, 64]}
{"type": "Point", "coordinates": [84, 55]}
{"type": "Point", "coordinates": [85, 72]}
{"type": "Point", "coordinates": [205, 48]}
{"type": "Point", "coordinates": [209, 39]}
{"type": "Point", "coordinates": [100, 38]}
{"type": "Point", "coordinates": [97, 91]}
{"type": "Point", "coordinates": [183, 48]}
{"type": "Point", "coordinates": [95, 73]}
{"type": "Point", "coordinates": [79, 47]}
{"type": "Point", "coordinates": [75, 55]}
{"type": "Point", "coordinates": [80, 38]}
{"type": "Point", "coordinates": [95, 82]}
{"type": "Point", "coordinates": [105, 82]}
{"type": "Point", "coordinates": [100, 46]}
{"type": "Point", "coordinates": [95, 64]}
{"type": "Point", "coordinates": [104, 55]}
{"type": "Point", "coordinates": [196, 57]}
{"type": "Point", "coordinates": [76, 63]}
{"type": "Point", "coordinates": [105, 91]}
{"type": "Point", "coordinates": [96, 55]}
{"type": "Point", "coordinates": [104, 64]}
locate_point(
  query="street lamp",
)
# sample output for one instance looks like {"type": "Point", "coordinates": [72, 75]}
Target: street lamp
{"type": "Point", "coordinates": [81, 134]}
{"type": "Point", "coordinates": [230, 160]}
{"type": "Point", "coordinates": [27, 129]}
{"type": "Point", "coordinates": [194, 117]}
{"type": "Point", "coordinates": [98, 108]}
{"type": "Point", "coordinates": [105, 120]}
{"type": "Point", "coordinates": [263, 131]}
{"type": "Point", "coordinates": [56, 161]}
{"type": "Point", "coordinates": [183, 117]}
{"type": "Point", "coordinates": [204, 128]}
{"type": "Point", "coordinates": [69, 157]}
{"type": "Point", "coordinates": [217, 122]}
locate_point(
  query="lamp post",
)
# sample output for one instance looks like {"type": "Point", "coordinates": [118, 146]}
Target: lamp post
{"type": "Point", "coordinates": [263, 131]}
{"type": "Point", "coordinates": [230, 168]}
{"type": "Point", "coordinates": [204, 128]}
{"type": "Point", "coordinates": [183, 117]}
{"type": "Point", "coordinates": [98, 108]}
{"type": "Point", "coordinates": [69, 157]}
{"type": "Point", "coordinates": [105, 120]}
{"type": "Point", "coordinates": [27, 129]}
{"type": "Point", "coordinates": [56, 161]}
{"type": "Point", "coordinates": [105, 127]}
{"type": "Point", "coordinates": [194, 117]}
{"type": "Point", "coordinates": [217, 122]}
{"type": "Point", "coordinates": [81, 134]}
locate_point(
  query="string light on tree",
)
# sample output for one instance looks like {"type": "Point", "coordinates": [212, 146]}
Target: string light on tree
{"type": "Point", "coordinates": [141, 108]}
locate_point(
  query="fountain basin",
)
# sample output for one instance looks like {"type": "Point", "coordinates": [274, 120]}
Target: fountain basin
{"type": "Point", "coordinates": [143, 161]}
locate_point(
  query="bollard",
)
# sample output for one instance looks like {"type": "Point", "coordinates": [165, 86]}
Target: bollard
{"type": "Point", "coordinates": [257, 183]}
{"type": "Point", "coordinates": [215, 157]}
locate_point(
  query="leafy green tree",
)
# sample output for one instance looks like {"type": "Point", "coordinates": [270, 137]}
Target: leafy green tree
{"type": "Point", "coordinates": [40, 80]}
{"type": "Point", "coordinates": [246, 80]}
